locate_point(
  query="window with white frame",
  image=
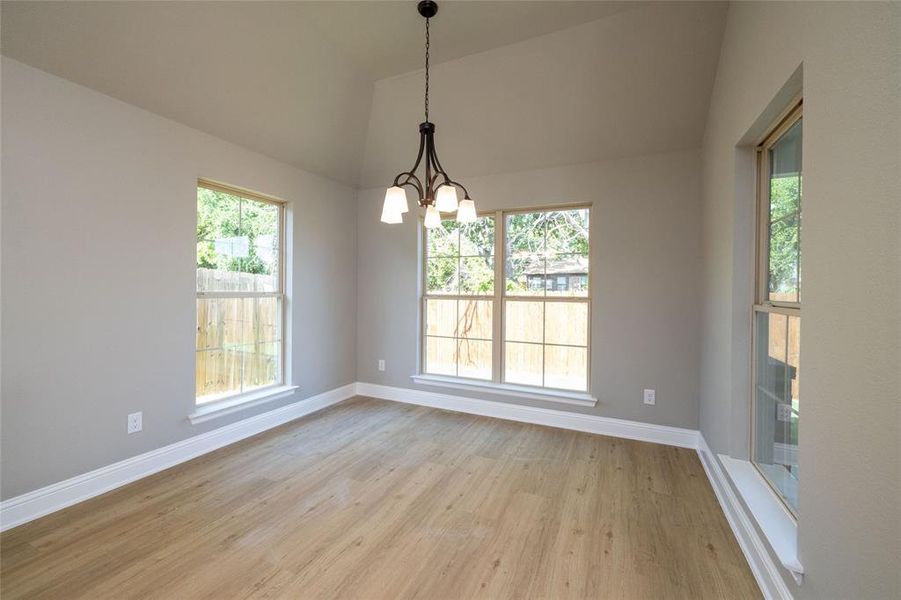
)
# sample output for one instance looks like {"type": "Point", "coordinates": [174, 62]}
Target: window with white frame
{"type": "Point", "coordinates": [777, 309]}
{"type": "Point", "coordinates": [522, 318]}
{"type": "Point", "coordinates": [240, 292]}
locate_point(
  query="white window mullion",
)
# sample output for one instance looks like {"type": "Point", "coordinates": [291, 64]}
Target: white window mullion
{"type": "Point", "coordinates": [497, 344]}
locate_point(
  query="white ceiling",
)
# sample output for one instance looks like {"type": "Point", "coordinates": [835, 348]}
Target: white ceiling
{"type": "Point", "coordinates": [386, 37]}
{"type": "Point", "coordinates": [294, 80]}
{"type": "Point", "coordinates": [634, 83]}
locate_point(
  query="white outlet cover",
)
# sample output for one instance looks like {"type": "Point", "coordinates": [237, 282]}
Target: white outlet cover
{"type": "Point", "coordinates": [381, 365]}
{"type": "Point", "coordinates": [135, 422]}
{"type": "Point", "coordinates": [650, 397]}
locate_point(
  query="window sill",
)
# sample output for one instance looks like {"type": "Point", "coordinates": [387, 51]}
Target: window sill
{"type": "Point", "coordinates": [507, 389]}
{"type": "Point", "coordinates": [233, 404]}
{"type": "Point", "coordinates": [778, 525]}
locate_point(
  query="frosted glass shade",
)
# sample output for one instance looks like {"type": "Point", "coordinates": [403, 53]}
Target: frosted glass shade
{"type": "Point", "coordinates": [396, 200]}
{"type": "Point", "coordinates": [466, 213]}
{"type": "Point", "coordinates": [446, 198]}
{"type": "Point", "coordinates": [391, 216]}
{"type": "Point", "coordinates": [432, 217]}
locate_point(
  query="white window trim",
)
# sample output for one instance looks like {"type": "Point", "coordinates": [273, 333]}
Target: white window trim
{"type": "Point", "coordinates": [497, 385]}
{"type": "Point", "coordinates": [507, 389]}
{"type": "Point", "coordinates": [232, 404]}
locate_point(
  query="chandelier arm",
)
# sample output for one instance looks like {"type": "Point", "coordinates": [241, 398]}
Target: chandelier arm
{"type": "Point", "coordinates": [461, 186]}
{"type": "Point", "coordinates": [422, 147]}
{"type": "Point", "coordinates": [439, 172]}
{"type": "Point", "coordinates": [430, 144]}
{"type": "Point", "coordinates": [411, 181]}
{"type": "Point", "coordinates": [437, 163]}
{"type": "Point", "coordinates": [435, 178]}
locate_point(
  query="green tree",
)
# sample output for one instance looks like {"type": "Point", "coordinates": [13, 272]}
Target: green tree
{"type": "Point", "coordinates": [223, 216]}
{"type": "Point", "coordinates": [785, 234]}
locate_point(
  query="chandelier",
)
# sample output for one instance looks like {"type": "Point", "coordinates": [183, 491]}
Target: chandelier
{"type": "Point", "coordinates": [437, 191]}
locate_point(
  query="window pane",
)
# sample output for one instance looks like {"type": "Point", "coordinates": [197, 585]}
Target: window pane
{"type": "Point", "coordinates": [213, 272]}
{"type": "Point", "coordinates": [219, 323]}
{"type": "Point", "coordinates": [523, 363]}
{"type": "Point", "coordinates": [236, 235]}
{"type": "Point", "coordinates": [524, 321]}
{"type": "Point", "coordinates": [547, 253]}
{"type": "Point", "coordinates": [261, 319]}
{"type": "Point", "coordinates": [259, 225]}
{"type": "Point", "coordinates": [475, 359]}
{"type": "Point", "coordinates": [443, 240]}
{"type": "Point", "coordinates": [776, 401]}
{"type": "Point", "coordinates": [477, 238]}
{"type": "Point", "coordinates": [793, 359]}
{"type": "Point", "coordinates": [441, 317]}
{"type": "Point", "coordinates": [524, 266]}
{"type": "Point", "coordinates": [442, 276]}
{"type": "Point", "coordinates": [440, 356]}
{"type": "Point", "coordinates": [785, 196]}
{"type": "Point", "coordinates": [477, 275]}
{"type": "Point", "coordinates": [475, 319]}
{"type": "Point", "coordinates": [566, 323]}
{"type": "Point", "coordinates": [524, 233]}
{"type": "Point", "coordinates": [446, 272]}
{"type": "Point", "coordinates": [567, 275]}
{"type": "Point", "coordinates": [525, 275]}
{"type": "Point", "coordinates": [566, 367]}
{"type": "Point", "coordinates": [567, 232]}
{"type": "Point", "coordinates": [217, 373]}
{"type": "Point", "coordinates": [238, 345]}
{"type": "Point", "coordinates": [784, 259]}
{"type": "Point", "coordinates": [261, 365]}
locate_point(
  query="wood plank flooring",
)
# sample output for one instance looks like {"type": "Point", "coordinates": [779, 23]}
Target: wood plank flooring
{"type": "Point", "coordinates": [373, 499]}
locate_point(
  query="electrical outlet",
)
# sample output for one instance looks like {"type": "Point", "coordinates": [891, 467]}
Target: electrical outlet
{"type": "Point", "coordinates": [784, 412]}
{"type": "Point", "coordinates": [135, 422]}
{"type": "Point", "coordinates": [381, 364]}
{"type": "Point", "coordinates": [650, 397]}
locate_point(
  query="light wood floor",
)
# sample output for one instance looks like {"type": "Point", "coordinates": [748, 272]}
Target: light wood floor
{"type": "Point", "coordinates": [373, 499]}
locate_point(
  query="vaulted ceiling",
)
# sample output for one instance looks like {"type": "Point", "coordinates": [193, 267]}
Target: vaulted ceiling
{"type": "Point", "coordinates": [320, 84]}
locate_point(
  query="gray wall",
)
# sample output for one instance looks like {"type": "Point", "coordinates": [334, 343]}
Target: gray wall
{"type": "Point", "coordinates": [645, 280]}
{"type": "Point", "coordinates": [850, 459]}
{"type": "Point", "coordinates": [99, 205]}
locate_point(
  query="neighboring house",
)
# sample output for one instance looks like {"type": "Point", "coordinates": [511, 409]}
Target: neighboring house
{"type": "Point", "coordinates": [560, 275]}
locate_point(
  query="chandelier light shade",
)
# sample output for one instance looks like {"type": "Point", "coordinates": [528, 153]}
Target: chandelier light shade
{"type": "Point", "coordinates": [432, 217]}
{"type": "Point", "coordinates": [391, 216]}
{"type": "Point", "coordinates": [437, 192]}
{"type": "Point", "coordinates": [396, 200]}
{"type": "Point", "coordinates": [446, 199]}
{"type": "Point", "coordinates": [466, 212]}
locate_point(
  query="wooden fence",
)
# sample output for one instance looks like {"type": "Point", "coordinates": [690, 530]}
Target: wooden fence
{"type": "Point", "coordinates": [544, 343]}
{"type": "Point", "coordinates": [238, 339]}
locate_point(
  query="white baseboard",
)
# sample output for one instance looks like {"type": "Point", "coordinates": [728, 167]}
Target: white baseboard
{"type": "Point", "coordinates": [764, 568]}
{"type": "Point", "coordinates": [633, 430]}
{"type": "Point", "coordinates": [51, 498]}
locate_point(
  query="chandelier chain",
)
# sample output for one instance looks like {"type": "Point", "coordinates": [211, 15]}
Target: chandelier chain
{"type": "Point", "coordinates": [426, 70]}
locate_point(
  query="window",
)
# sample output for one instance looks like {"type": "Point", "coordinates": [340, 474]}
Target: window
{"type": "Point", "coordinates": [460, 299]}
{"type": "Point", "coordinates": [777, 310]}
{"type": "Point", "coordinates": [522, 319]}
{"type": "Point", "coordinates": [240, 292]}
